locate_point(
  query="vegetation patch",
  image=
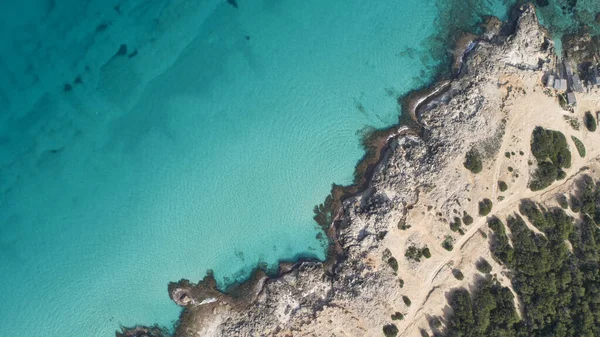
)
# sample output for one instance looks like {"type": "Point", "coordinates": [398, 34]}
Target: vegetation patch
{"type": "Point", "coordinates": [573, 122]}
{"type": "Point", "coordinates": [467, 219]}
{"type": "Point", "coordinates": [483, 266]}
{"type": "Point", "coordinates": [390, 330]}
{"type": "Point", "coordinates": [458, 274]}
{"type": "Point", "coordinates": [473, 161]}
{"type": "Point", "coordinates": [406, 301]}
{"type": "Point", "coordinates": [455, 224]}
{"type": "Point", "coordinates": [589, 121]}
{"type": "Point", "coordinates": [393, 263]}
{"type": "Point", "coordinates": [554, 273]}
{"type": "Point", "coordinates": [501, 249]}
{"type": "Point", "coordinates": [402, 225]}
{"type": "Point", "coordinates": [579, 145]}
{"type": "Point", "coordinates": [397, 316]}
{"type": "Point", "coordinates": [485, 207]}
{"type": "Point", "coordinates": [415, 254]}
{"type": "Point", "coordinates": [502, 186]}
{"type": "Point", "coordinates": [552, 153]}
{"type": "Point", "coordinates": [448, 243]}
{"type": "Point", "coordinates": [562, 201]}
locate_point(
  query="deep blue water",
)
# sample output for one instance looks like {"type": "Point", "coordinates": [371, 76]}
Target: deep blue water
{"type": "Point", "coordinates": [146, 141]}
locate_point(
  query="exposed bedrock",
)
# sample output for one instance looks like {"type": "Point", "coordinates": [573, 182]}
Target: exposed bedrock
{"type": "Point", "coordinates": [353, 298]}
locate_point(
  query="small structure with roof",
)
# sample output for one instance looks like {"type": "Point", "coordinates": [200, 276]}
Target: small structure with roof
{"type": "Point", "coordinates": [571, 99]}
{"type": "Point", "coordinates": [560, 84]}
{"type": "Point", "coordinates": [596, 77]}
{"type": "Point", "coordinates": [576, 83]}
{"type": "Point", "coordinates": [568, 68]}
{"type": "Point", "coordinates": [550, 81]}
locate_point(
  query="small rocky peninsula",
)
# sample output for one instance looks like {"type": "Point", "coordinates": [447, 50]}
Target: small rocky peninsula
{"type": "Point", "coordinates": [419, 230]}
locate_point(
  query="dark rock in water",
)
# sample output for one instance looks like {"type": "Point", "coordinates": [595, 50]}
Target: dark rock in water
{"type": "Point", "coordinates": [247, 37]}
{"type": "Point", "coordinates": [133, 54]}
{"type": "Point", "coordinates": [67, 87]}
{"type": "Point", "coordinates": [142, 331]}
{"type": "Point", "coordinates": [542, 3]}
{"type": "Point", "coordinates": [598, 18]}
{"type": "Point", "coordinates": [78, 80]}
{"type": "Point", "coordinates": [122, 50]}
{"type": "Point", "coordinates": [101, 27]}
{"type": "Point", "coordinates": [117, 9]}
{"type": "Point", "coordinates": [233, 3]}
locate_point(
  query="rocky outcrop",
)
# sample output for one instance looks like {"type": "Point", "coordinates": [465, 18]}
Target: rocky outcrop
{"type": "Point", "coordinates": [354, 293]}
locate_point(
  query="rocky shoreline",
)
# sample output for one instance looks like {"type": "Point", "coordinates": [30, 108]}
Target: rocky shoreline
{"type": "Point", "coordinates": [406, 168]}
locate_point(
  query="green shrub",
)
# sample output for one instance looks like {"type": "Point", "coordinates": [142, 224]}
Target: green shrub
{"type": "Point", "coordinates": [502, 186]}
{"type": "Point", "coordinates": [401, 282]}
{"type": "Point", "coordinates": [397, 316]}
{"type": "Point", "coordinates": [392, 262]}
{"type": "Point", "coordinates": [390, 330]}
{"type": "Point", "coordinates": [550, 145]}
{"type": "Point", "coordinates": [448, 243]}
{"type": "Point", "coordinates": [458, 274]}
{"type": "Point", "coordinates": [426, 252]}
{"type": "Point", "coordinates": [473, 161]}
{"type": "Point", "coordinates": [562, 201]}
{"type": "Point", "coordinates": [415, 254]}
{"type": "Point", "coordinates": [579, 145]}
{"type": "Point", "coordinates": [402, 225]}
{"type": "Point", "coordinates": [575, 204]}
{"type": "Point", "coordinates": [589, 121]}
{"type": "Point", "coordinates": [455, 225]}
{"type": "Point", "coordinates": [552, 153]}
{"type": "Point", "coordinates": [483, 266]}
{"type": "Point", "coordinates": [507, 154]}
{"type": "Point", "coordinates": [485, 207]}
{"type": "Point", "coordinates": [467, 219]}
{"type": "Point", "coordinates": [406, 301]}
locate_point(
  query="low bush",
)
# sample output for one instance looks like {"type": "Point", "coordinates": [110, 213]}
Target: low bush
{"type": "Point", "coordinates": [397, 316]}
{"type": "Point", "coordinates": [483, 266]}
{"type": "Point", "coordinates": [552, 153]}
{"type": "Point", "coordinates": [485, 207]}
{"type": "Point", "coordinates": [455, 225]}
{"type": "Point", "coordinates": [589, 121]}
{"type": "Point", "coordinates": [415, 254]}
{"type": "Point", "coordinates": [406, 301]}
{"type": "Point", "coordinates": [393, 263]}
{"type": "Point", "coordinates": [562, 201]}
{"type": "Point", "coordinates": [390, 330]}
{"type": "Point", "coordinates": [502, 186]}
{"type": "Point", "coordinates": [458, 274]}
{"type": "Point", "coordinates": [579, 145]}
{"type": "Point", "coordinates": [426, 252]}
{"type": "Point", "coordinates": [467, 219]}
{"type": "Point", "coordinates": [448, 243]}
{"type": "Point", "coordinates": [473, 161]}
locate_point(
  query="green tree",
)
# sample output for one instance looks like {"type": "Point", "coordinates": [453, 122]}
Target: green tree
{"type": "Point", "coordinates": [473, 161]}
{"type": "Point", "coordinates": [589, 121]}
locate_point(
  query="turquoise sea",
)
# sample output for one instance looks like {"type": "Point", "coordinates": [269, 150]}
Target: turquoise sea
{"type": "Point", "coordinates": [145, 141]}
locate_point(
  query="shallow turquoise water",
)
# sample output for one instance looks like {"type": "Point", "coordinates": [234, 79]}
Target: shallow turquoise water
{"type": "Point", "coordinates": [204, 146]}
{"type": "Point", "coordinates": [563, 17]}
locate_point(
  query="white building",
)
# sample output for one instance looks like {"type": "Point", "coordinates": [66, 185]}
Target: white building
{"type": "Point", "coordinates": [577, 86]}
{"type": "Point", "coordinates": [560, 84]}
{"type": "Point", "coordinates": [571, 99]}
{"type": "Point", "coordinates": [550, 81]}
